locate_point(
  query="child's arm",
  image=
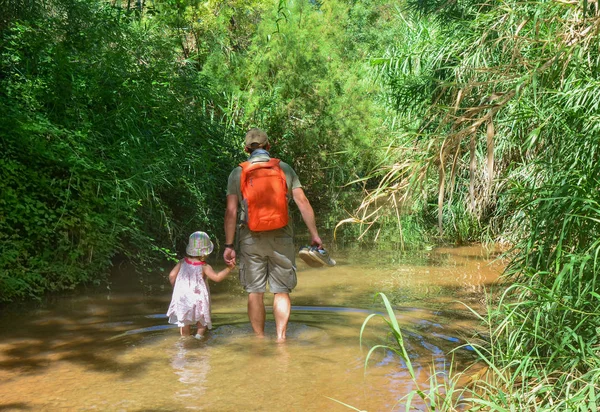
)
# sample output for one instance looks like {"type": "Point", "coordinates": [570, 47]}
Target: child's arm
{"type": "Point", "coordinates": [173, 274]}
{"type": "Point", "coordinates": [217, 277]}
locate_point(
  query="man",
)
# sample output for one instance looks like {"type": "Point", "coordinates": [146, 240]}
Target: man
{"type": "Point", "coordinates": [267, 256]}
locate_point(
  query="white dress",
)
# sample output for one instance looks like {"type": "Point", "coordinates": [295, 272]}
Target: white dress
{"type": "Point", "coordinates": [191, 297]}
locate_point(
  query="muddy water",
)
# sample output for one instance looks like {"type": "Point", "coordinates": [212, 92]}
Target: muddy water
{"type": "Point", "coordinates": [113, 351]}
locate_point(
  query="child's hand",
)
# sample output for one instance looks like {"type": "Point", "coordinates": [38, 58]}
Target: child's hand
{"type": "Point", "coordinates": [231, 265]}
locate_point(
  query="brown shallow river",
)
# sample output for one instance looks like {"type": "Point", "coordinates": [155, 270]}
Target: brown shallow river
{"type": "Point", "coordinates": [113, 351]}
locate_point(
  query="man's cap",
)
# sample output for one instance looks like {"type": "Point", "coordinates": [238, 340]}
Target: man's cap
{"type": "Point", "coordinates": [256, 136]}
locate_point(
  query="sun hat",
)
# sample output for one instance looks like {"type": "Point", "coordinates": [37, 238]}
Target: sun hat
{"type": "Point", "coordinates": [199, 244]}
{"type": "Point", "coordinates": [256, 136]}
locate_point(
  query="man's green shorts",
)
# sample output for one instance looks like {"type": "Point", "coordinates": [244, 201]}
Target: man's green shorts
{"type": "Point", "coordinates": [267, 256]}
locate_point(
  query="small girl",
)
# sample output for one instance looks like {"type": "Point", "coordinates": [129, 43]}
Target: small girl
{"type": "Point", "coordinates": [191, 297]}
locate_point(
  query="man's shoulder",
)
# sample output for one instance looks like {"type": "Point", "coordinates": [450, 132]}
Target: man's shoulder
{"type": "Point", "coordinates": [265, 158]}
{"type": "Point", "coordinates": [236, 171]}
{"type": "Point", "coordinates": [290, 175]}
{"type": "Point", "coordinates": [285, 165]}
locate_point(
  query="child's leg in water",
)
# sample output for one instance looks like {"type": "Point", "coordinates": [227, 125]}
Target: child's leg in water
{"type": "Point", "coordinates": [201, 329]}
{"type": "Point", "coordinates": [185, 330]}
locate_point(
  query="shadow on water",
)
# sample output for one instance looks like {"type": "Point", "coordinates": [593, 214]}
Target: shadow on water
{"type": "Point", "coordinates": [33, 340]}
{"type": "Point", "coordinates": [115, 351]}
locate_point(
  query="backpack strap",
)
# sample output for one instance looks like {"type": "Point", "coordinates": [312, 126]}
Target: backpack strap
{"type": "Point", "coordinates": [248, 165]}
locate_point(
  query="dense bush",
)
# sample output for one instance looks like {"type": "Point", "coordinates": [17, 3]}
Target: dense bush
{"type": "Point", "coordinates": [107, 146]}
{"type": "Point", "coordinates": [499, 103]}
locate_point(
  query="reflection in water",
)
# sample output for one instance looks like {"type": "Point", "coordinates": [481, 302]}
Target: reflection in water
{"type": "Point", "coordinates": [89, 352]}
{"type": "Point", "coordinates": [192, 365]}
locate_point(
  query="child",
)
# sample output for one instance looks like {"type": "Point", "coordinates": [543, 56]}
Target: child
{"type": "Point", "coordinates": [191, 297]}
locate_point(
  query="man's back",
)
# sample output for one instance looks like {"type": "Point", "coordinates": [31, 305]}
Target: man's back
{"type": "Point", "coordinates": [266, 257]}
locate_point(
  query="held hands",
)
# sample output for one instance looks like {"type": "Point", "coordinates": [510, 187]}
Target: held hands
{"type": "Point", "coordinates": [229, 257]}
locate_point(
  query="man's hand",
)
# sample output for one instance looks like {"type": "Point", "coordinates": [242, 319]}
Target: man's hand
{"type": "Point", "coordinates": [316, 241]}
{"type": "Point", "coordinates": [229, 256]}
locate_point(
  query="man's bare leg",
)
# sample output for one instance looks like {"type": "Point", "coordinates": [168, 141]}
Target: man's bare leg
{"type": "Point", "coordinates": [256, 313]}
{"type": "Point", "coordinates": [282, 306]}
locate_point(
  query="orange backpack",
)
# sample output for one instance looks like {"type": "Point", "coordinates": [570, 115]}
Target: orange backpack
{"type": "Point", "coordinates": [264, 190]}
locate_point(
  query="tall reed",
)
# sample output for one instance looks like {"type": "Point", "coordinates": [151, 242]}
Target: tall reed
{"type": "Point", "coordinates": [442, 391]}
{"type": "Point", "coordinates": [499, 102]}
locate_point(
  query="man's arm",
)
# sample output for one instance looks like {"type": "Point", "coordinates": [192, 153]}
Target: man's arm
{"type": "Point", "coordinates": [230, 221]}
{"type": "Point", "coordinates": [308, 215]}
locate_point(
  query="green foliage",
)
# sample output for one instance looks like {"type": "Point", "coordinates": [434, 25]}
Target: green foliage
{"type": "Point", "coordinates": [552, 312]}
{"type": "Point", "coordinates": [444, 390]}
{"type": "Point", "coordinates": [123, 122]}
{"type": "Point", "coordinates": [120, 123]}
{"type": "Point", "coordinates": [299, 70]}
{"type": "Point", "coordinates": [296, 79]}
{"type": "Point", "coordinates": [514, 377]}
{"type": "Point", "coordinates": [499, 106]}
{"type": "Point", "coordinates": [108, 147]}
{"type": "Point", "coordinates": [474, 101]}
